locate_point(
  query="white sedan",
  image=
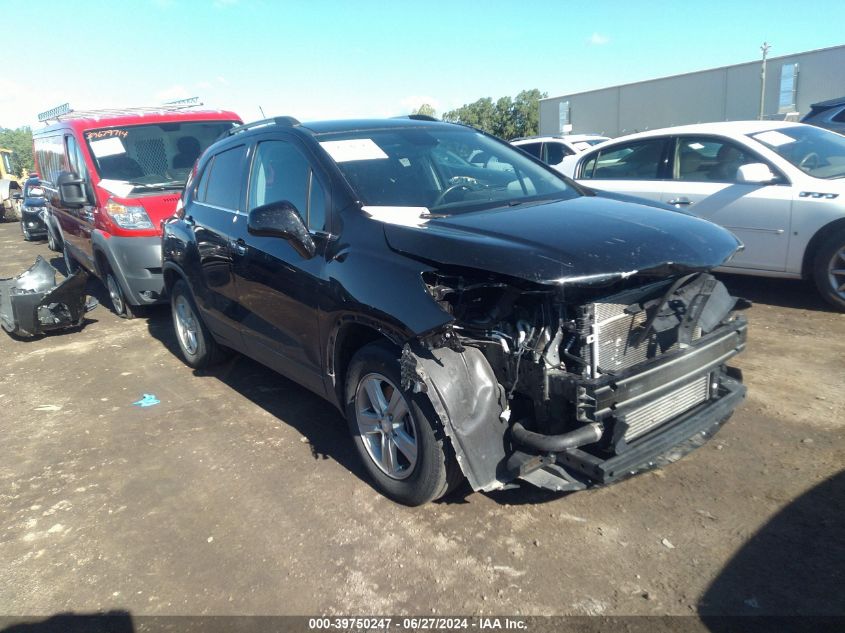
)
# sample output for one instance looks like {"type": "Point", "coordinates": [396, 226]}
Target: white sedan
{"type": "Point", "coordinates": [780, 187]}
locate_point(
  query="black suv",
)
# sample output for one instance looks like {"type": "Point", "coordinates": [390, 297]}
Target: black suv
{"type": "Point", "coordinates": [490, 321]}
{"type": "Point", "coordinates": [827, 114]}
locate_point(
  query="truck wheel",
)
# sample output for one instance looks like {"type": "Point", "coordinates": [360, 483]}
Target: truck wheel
{"type": "Point", "coordinates": [52, 243]}
{"type": "Point", "coordinates": [119, 304]}
{"type": "Point", "coordinates": [198, 347]}
{"type": "Point", "coordinates": [829, 269]}
{"type": "Point", "coordinates": [396, 433]}
{"type": "Point", "coordinates": [71, 265]}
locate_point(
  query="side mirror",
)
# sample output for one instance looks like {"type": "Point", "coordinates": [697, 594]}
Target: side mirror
{"type": "Point", "coordinates": [72, 191]}
{"type": "Point", "coordinates": [755, 174]}
{"type": "Point", "coordinates": [281, 219]}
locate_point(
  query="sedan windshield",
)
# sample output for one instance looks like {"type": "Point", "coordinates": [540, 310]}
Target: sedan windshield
{"type": "Point", "coordinates": [445, 170]}
{"type": "Point", "coordinates": [817, 152]}
{"type": "Point", "coordinates": [152, 156]}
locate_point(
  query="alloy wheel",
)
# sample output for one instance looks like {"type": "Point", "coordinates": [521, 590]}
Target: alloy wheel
{"type": "Point", "coordinates": [386, 426]}
{"type": "Point", "coordinates": [836, 272]}
{"type": "Point", "coordinates": [186, 325]}
{"type": "Point", "coordinates": [115, 294]}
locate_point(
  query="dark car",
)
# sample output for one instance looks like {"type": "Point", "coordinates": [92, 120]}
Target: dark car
{"type": "Point", "coordinates": [495, 323]}
{"type": "Point", "coordinates": [827, 114]}
{"type": "Point", "coordinates": [32, 212]}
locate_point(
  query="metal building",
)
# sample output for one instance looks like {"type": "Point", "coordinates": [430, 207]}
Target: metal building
{"type": "Point", "coordinates": [729, 93]}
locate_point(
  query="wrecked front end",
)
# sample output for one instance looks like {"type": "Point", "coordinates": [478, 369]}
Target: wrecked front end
{"type": "Point", "coordinates": [578, 383]}
{"type": "Point", "coordinates": [32, 303]}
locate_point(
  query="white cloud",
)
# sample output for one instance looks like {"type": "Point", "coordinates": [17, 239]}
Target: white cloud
{"type": "Point", "coordinates": [173, 93]}
{"type": "Point", "coordinates": [597, 39]}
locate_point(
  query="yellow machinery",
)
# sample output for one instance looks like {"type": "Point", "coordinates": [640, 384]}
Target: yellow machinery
{"type": "Point", "coordinates": [10, 188]}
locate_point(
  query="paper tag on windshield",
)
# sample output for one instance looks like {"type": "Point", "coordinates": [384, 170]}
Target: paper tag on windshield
{"type": "Point", "coordinates": [581, 146]}
{"type": "Point", "coordinates": [117, 187]}
{"type": "Point", "coordinates": [107, 147]}
{"type": "Point", "coordinates": [774, 138]}
{"type": "Point", "coordinates": [403, 216]}
{"type": "Point", "coordinates": [354, 149]}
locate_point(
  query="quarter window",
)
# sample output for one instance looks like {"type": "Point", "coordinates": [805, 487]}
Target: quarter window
{"type": "Point", "coordinates": [220, 185]}
{"type": "Point", "coordinates": [639, 160]}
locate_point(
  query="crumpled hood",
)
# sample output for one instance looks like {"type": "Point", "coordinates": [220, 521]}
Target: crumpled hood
{"type": "Point", "coordinates": [579, 241]}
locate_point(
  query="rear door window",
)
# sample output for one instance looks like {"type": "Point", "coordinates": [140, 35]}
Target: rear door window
{"type": "Point", "coordinates": [636, 160]}
{"type": "Point", "coordinates": [220, 185]}
{"type": "Point", "coordinates": [553, 153]}
{"type": "Point", "coordinates": [532, 148]}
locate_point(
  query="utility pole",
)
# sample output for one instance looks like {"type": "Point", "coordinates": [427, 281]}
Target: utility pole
{"type": "Point", "coordinates": [765, 48]}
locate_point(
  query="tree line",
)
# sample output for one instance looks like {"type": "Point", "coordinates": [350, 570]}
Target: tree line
{"type": "Point", "coordinates": [506, 117]}
{"type": "Point", "coordinates": [20, 142]}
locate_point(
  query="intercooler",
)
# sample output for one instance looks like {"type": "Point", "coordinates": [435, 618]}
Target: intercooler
{"type": "Point", "coordinates": [641, 420]}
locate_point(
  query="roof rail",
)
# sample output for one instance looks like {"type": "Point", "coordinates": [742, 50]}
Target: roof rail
{"type": "Point", "coordinates": [65, 112]}
{"type": "Point", "coordinates": [282, 121]}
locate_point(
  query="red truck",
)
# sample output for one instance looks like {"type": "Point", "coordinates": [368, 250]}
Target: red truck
{"type": "Point", "coordinates": [111, 177]}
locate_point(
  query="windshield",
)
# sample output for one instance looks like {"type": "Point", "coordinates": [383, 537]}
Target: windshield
{"type": "Point", "coordinates": [153, 156]}
{"type": "Point", "coordinates": [445, 170]}
{"type": "Point", "coordinates": [817, 152]}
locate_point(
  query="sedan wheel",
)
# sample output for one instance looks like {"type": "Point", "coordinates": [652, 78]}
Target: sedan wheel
{"type": "Point", "coordinates": [385, 424]}
{"type": "Point", "coordinates": [829, 269]}
{"type": "Point", "coordinates": [836, 272]}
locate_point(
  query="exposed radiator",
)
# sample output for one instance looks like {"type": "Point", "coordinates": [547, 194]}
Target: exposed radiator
{"type": "Point", "coordinates": [610, 334]}
{"type": "Point", "coordinates": [656, 412]}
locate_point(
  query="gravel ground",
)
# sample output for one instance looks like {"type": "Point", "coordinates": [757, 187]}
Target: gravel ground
{"type": "Point", "coordinates": [240, 492]}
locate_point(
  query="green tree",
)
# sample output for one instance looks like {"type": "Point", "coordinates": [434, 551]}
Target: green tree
{"type": "Point", "coordinates": [426, 109]}
{"type": "Point", "coordinates": [506, 118]}
{"type": "Point", "coordinates": [20, 142]}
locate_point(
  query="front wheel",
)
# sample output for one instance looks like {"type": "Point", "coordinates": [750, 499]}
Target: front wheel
{"type": "Point", "coordinates": [71, 265]}
{"type": "Point", "coordinates": [829, 269]}
{"type": "Point", "coordinates": [198, 347]}
{"type": "Point", "coordinates": [396, 433]}
{"type": "Point", "coordinates": [26, 236]}
{"type": "Point", "coordinates": [121, 306]}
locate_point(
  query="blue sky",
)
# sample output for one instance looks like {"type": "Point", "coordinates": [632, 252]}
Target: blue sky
{"type": "Point", "coordinates": [325, 59]}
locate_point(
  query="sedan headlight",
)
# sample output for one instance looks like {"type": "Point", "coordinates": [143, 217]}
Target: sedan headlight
{"type": "Point", "coordinates": [127, 217]}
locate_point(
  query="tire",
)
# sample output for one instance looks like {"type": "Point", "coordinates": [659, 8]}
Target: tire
{"type": "Point", "coordinates": [52, 244]}
{"type": "Point", "coordinates": [419, 465]}
{"type": "Point", "coordinates": [119, 304]}
{"type": "Point", "coordinates": [198, 347]}
{"type": "Point", "coordinates": [26, 236]}
{"type": "Point", "coordinates": [71, 264]}
{"type": "Point", "coordinates": [829, 269]}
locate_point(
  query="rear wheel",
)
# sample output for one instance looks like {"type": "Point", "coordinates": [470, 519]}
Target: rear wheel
{"type": "Point", "coordinates": [396, 433]}
{"type": "Point", "coordinates": [198, 347]}
{"type": "Point", "coordinates": [829, 269]}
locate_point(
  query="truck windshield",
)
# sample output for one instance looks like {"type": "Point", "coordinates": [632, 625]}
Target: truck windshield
{"type": "Point", "coordinates": [817, 152]}
{"type": "Point", "coordinates": [154, 155]}
{"type": "Point", "coordinates": [445, 170]}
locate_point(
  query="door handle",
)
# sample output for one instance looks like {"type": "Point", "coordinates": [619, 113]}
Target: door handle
{"type": "Point", "coordinates": [680, 201]}
{"type": "Point", "coordinates": [239, 246]}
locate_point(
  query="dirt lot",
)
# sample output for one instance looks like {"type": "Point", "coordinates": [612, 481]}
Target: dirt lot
{"type": "Point", "coordinates": [240, 493]}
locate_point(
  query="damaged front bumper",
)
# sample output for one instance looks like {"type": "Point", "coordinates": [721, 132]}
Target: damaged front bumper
{"type": "Point", "coordinates": [32, 303]}
{"type": "Point", "coordinates": [628, 421]}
